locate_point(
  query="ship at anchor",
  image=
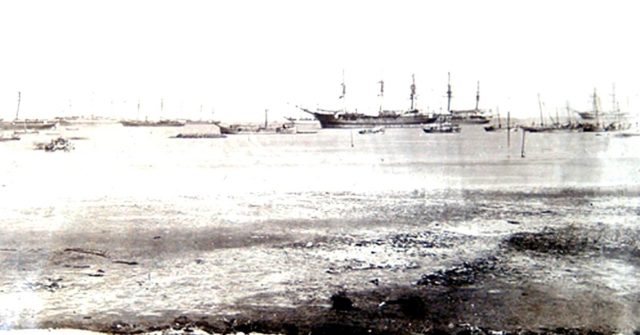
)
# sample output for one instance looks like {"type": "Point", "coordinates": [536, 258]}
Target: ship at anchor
{"type": "Point", "coordinates": [412, 117]}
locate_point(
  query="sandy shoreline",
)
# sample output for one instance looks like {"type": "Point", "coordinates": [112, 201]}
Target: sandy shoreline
{"type": "Point", "coordinates": [560, 262]}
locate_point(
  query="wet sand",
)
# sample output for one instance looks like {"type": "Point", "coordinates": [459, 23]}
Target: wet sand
{"type": "Point", "coordinates": [558, 261]}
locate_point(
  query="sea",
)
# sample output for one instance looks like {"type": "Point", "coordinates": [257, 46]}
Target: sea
{"type": "Point", "coordinates": [134, 224]}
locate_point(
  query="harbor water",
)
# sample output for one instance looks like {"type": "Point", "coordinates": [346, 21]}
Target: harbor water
{"type": "Point", "coordinates": [134, 224]}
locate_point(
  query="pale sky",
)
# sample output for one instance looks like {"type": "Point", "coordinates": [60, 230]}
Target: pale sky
{"type": "Point", "coordinates": [238, 58]}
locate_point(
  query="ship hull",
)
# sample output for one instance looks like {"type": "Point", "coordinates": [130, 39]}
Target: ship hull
{"type": "Point", "coordinates": [152, 124]}
{"type": "Point", "coordinates": [472, 121]}
{"type": "Point", "coordinates": [31, 125]}
{"type": "Point", "coordinates": [337, 121]}
{"type": "Point", "coordinates": [473, 116]}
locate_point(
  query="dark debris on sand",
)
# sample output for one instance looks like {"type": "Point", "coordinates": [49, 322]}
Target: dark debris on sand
{"type": "Point", "coordinates": [470, 298]}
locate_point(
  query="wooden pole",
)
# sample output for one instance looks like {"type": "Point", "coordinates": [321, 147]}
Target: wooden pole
{"type": "Point", "coordinates": [524, 132]}
{"type": "Point", "coordinates": [540, 107]}
{"type": "Point", "coordinates": [448, 92]}
{"type": "Point", "coordinates": [266, 121]}
{"type": "Point", "coordinates": [18, 110]}
{"type": "Point", "coordinates": [352, 138]}
{"type": "Point", "coordinates": [508, 130]}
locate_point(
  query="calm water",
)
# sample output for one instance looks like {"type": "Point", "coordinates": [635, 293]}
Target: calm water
{"type": "Point", "coordinates": [117, 162]}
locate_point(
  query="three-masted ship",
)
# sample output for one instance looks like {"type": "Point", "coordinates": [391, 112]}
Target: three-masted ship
{"type": "Point", "coordinates": [412, 117]}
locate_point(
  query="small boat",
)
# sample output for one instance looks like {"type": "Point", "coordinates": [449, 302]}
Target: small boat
{"type": "Point", "coordinates": [374, 130]}
{"type": "Point", "coordinates": [499, 127]}
{"type": "Point", "coordinates": [56, 144]}
{"type": "Point", "coordinates": [12, 137]}
{"type": "Point", "coordinates": [199, 135]}
{"type": "Point", "coordinates": [229, 129]}
{"type": "Point", "coordinates": [305, 125]}
{"type": "Point", "coordinates": [443, 124]}
{"type": "Point", "coordinates": [286, 129]}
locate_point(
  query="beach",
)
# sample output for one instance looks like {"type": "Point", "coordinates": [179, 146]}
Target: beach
{"type": "Point", "coordinates": [401, 232]}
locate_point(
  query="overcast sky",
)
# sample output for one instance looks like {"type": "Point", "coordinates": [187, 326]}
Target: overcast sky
{"type": "Point", "coordinates": [237, 58]}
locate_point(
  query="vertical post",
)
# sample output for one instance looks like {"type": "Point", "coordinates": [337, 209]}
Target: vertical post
{"type": "Point", "coordinates": [344, 94]}
{"type": "Point", "coordinates": [524, 132]}
{"type": "Point", "coordinates": [448, 92]}
{"type": "Point", "coordinates": [18, 110]}
{"type": "Point", "coordinates": [595, 107]}
{"type": "Point", "coordinates": [381, 95]}
{"type": "Point", "coordinates": [266, 121]}
{"type": "Point", "coordinates": [508, 130]}
{"type": "Point", "coordinates": [540, 107]}
{"type": "Point", "coordinates": [413, 90]}
{"type": "Point", "coordinates": [478, 96]}
{"type": "Point", "coordinates": [352, 138]}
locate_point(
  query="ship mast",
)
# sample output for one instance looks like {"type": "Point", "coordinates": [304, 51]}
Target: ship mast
{"type": "Point", "coordinates": [616, 106]}
{"type": "Point", "coordinates": [413, 91]}
{"type": "Point", "coordinates": [595, 106]}
{"type": "Point", "coordinates": [478, 96]}
{"type": "Point", "coordinates": [266, 120]}
{"type": "Point", "coordinates": [540, 108]}
{"type": "Point", "coordinates": [448, 92]}
{"type": "Point", "coordinates": [344, 92]}
{"type": "Point", "coordinates": [381, 94]}
{"type": "Point", "coordinates": [18, 110]}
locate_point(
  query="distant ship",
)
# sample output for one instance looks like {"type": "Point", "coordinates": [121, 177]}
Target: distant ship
{"type": "Point", "coordinates": [161, 123]}
{"type": "Point", "coordinates": [83, 120]}
{"type": "Point", "coordinates": [147, 123]}
{"type": "Point", "coordinates": [472, 116]}
{"type": "Point", "coordinates": [305, 125]}
{"type": "Point", "coordinates": [26, 124]}
{"type": "Point", "coordinates": [386, 118]}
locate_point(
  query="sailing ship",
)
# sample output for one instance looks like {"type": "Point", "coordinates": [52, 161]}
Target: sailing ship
{"type": "Point", "coordinates": [445, 122]}
{"type": "Point", "coordinates": [471, 116]}
{"type": "Point", "coordinates": [147, 123]}
{"type": "Point", "coordinates": [385, 118]}
{"type": "Point", "coordinates": [604, 122]}
{"type": "Point", "coordinates": [499, 127]}
{"type": "Point", "coordinates": [555, 126]}
{"type": "Point", "coordinates": [25, 125]}
{"type": "Point", "coordinates": [289, 127]}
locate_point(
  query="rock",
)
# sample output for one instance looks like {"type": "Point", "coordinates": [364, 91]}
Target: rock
{"type": "Point", "coordinates": [340, 302]}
